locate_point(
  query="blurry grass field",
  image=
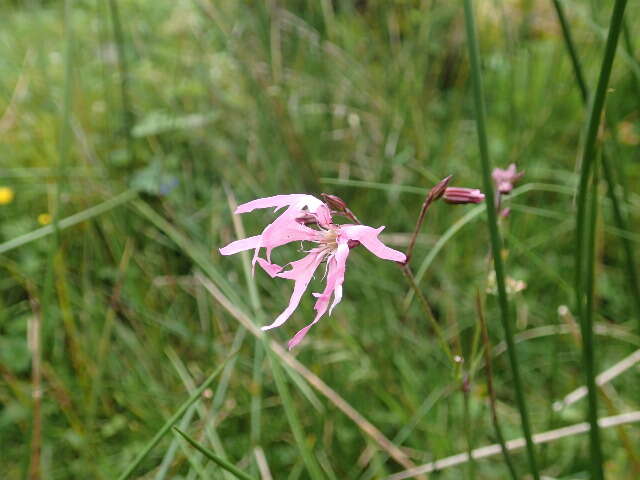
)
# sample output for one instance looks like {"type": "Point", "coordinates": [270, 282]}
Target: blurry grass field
{"type": "Point", "coordinates": [158, 116]}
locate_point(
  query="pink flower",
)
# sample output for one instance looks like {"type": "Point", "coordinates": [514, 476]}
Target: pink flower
{"type": "Point", "coordinates": [462, 195]}
{"type": "Point", "coordinates": [505, 179]}
{"type": "Point", "coordinates": [333, 244]}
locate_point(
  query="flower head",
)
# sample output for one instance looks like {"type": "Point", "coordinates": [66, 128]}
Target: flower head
{"type": "Point", "coordinates": [505, 179]}
{"type": "Point", "coordinates": [333, 244]}
{"type": "Point", "coordinates": [6, 195]}
{"type": "Point", "coordinates": [462, 195]}
{"type": "Point", "coordinates": [44, 218]}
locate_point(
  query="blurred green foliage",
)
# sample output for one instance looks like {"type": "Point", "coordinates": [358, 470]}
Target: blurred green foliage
{"type": "Point", "coordinates": [360, 98]}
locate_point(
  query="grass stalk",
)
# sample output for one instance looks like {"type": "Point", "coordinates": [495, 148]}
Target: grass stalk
{"type": "Point", "coordinates": [491, 392]}
{"type": "Point", "coordinates": [258, 350]}
{"type": "Point", "coordinates": [35, 347]}
{"type": "Point", "coordinates": [310, 462]}
{"type": "Point", "coordinates": [206, 413]}
{"type": "Point", "coordinates": [43, 317]}
{"type": "Point", "coordinates": [69, 221]}
{"type": "Point", "coordinates": [316, 382]}
{"type": "Point", "coordinates": [584, 273]}
{"type": "Point", "coordinates": [630, 263]}
{"type": "Point", "coordinates": [515, 444]}
{"type": "Point", "coordinates": [426, 308]}
{"type": "Point", "coordinates": [496, 241]}
{"type": "Point", "coordinates": [174, 418]}
{"type": "Point", "coordinates": [127, 112]}
{"type": "Point", "coordinates": [466, 415]}
{"type": "Point", "coordinates": [228, 466]}
{"type": "Point", "coordinates": [573, 54]}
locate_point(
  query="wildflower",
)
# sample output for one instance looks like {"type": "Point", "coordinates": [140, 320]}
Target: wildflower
{"type": "Point", "coordinates": [333, 245]}
{"type": "Point", "coordinates": [44, 219]}
{"type": "Point", "coordinates": [512, 285]}
{"type": "Point", "coordinates": [462, 195]}
{"type": "Point", "coordinates": [505, 179]}
{"type": "Point", "coordinates": [6, 195]}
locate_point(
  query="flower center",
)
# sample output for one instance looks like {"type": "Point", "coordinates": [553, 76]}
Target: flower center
{"type": "Point", "coordinates": [330, 239]}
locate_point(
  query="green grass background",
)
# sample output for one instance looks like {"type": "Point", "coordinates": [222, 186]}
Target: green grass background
{"type": "Point", "coordinates": [194, 102]}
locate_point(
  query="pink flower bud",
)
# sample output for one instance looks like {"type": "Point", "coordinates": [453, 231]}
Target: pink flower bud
{"type": "Point", "coordinates": [334, 201]}
{"type": "Point", "coordinates": [459, 195]}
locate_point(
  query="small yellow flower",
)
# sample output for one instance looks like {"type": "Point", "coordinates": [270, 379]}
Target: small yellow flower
{"type": "Point", "coordinates": [6, 195]}
{"type": "Point", "coordinates": [44, 219]}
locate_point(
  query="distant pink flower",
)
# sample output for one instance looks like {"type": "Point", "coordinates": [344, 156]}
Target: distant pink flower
{"type": "Point", "coordinates": [333, 244]}
{"type": "Point", "coordinates": [462, 195]}
{"type": "Point", "coordinates": [505, 179]}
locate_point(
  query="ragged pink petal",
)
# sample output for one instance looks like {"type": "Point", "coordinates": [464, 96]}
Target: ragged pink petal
{"type": "Point", "coordinates": [285, 229]}
{"type": "Point", "coordinates": [368, 236]}
{"type": "Point", "coordinates": [323, 215]}
{"type": "Point", "coordinates": [271, 268]}
{"type": "Point", "coordinates": [297, 338]}
{"type": "Point", "coordinates": [506, 179]}
{"type": "Point", "coordinates": [241, 245]}
{"type": "Point", "coordinates": [299, 200]}
{"type": "Point", "coordinates": [301, 272]}
{"type": "Point", "coordinates": [335, 279]}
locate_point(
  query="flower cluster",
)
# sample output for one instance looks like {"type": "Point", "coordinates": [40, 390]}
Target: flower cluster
{"type": "Point", "coordinates": [307, 218]}
{"type": "Point", "coordinates": [505, 179]}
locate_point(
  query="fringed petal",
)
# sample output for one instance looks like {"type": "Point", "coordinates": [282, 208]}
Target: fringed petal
{"type": "Point", "coordinates": [368, 237]}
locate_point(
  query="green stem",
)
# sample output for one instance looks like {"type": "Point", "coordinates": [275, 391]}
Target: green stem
{"type": "Point", "coordinates": [466, 387]}
{"type": "Point", "coordinates": [630, 263]}
{"type": "Point", "coordinates": [491, 391]}
{"type": "Point", "coordinates": [426, 308]}
{"type": "Point", "coordinates": [496, 241]}
{"type": "Point", "coordinates": [583, 285]}
{"type": "Point", "coordinates": [568, 40]}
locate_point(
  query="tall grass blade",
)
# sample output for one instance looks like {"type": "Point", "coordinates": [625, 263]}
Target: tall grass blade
{"type": "Point", "coordinates": [568, 40]}
{"type": "Point", "coordinates": [174, 418]}
{"type": "Point", "coordinates": [292, 417]}
{"type": "Point", "coordinates": [496, 241]}
{"type": "Point", "coordinates": [363, 424]}
{"type": "Point", "coordinates": [69, 221]}
{"type": "Point", "coordinates": [127, 112]}
{"type": "Point", "coordinates": [491, 392]}
{"type": "Point", "coordinates": [228, 466]}
{"type": "Point", "coordinates": [630, 263]}
{"type": "Point", "coordinates": [584, 272]}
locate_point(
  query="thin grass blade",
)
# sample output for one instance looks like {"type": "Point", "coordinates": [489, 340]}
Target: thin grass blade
{"type": "Point", "coordinates": [496, 240]}
{"type": "Point", "coordinates": [174, 418]}
{"type": "Point", "coordinates": [584, 269]}
{"type": "Point", "coordinates": [292, 417]}
{"type": "Point", "coordinates": [228, 466]}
